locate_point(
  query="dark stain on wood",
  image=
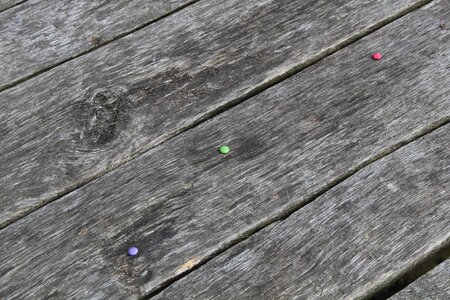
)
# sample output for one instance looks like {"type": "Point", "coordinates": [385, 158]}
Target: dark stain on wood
{"type": "Point", "coordinates": [249, 147]}
{"type": "Point", "coordinates": [96, 40]}
{"type": "Point", "coordinates": [131, 269]}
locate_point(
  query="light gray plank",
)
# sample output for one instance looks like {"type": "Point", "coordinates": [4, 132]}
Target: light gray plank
{"type": "Point", "coordinates": [58, 132]}
{"type": "Point", "coordinates": [182, 201]}
{"type": "Point", "coordinates": [40, 34]}
{"type": "Point", "coordinates": [6, 4]}
{"type": "Point", "coordinates": [434, 285]}
{"type": "Point", "coordinates": [347, 243]}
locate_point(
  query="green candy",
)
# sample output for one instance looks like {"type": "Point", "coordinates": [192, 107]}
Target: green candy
{"type": "Point", "coordinates": [224, 149]}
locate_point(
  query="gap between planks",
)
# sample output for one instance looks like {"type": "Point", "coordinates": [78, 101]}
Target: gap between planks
{"type": "Point", "coordinates": [221, 109]}
{"type": "Point", "coordinates": [432, 284]}
{"type": "Point", "coordinates": [389, 287]}
{"type": "Point", "coordinates": [12, 6]}
{"type": "Point", "coordinates": [409, 276]}
{"type": "Point", "coordinates": [23, 79]}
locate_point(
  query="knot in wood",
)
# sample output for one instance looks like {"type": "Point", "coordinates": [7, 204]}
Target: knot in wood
{"type": "Point", "coordinates": [103, 113]}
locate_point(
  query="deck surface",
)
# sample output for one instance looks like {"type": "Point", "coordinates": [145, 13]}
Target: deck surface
{"type": "Point", "coordinates": [432, 285]}
{"type": "Point", "coordinates": [336, 185]}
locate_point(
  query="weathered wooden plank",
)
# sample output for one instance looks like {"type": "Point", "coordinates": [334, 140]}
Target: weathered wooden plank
{"type": "Point", "coordinates": [76, 122]}
{"type": "Point", "coordinates": [6, 4]}
{"type": "Point", "coordinates": [347, 243]}
{"type": "Point", "coordinates": [40, 34]}
{"type": "Point", "coordinates": [434, 285]}
{"type": "Point", "coordinates": [182, 201]}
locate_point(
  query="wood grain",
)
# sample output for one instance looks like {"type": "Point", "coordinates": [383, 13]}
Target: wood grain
{"type": "Point", "coordinates": [434, 285]}
{"type": "Point", "coordinates": [345, 244]}
{"type": "Point", "coordinates": [183, 201]}
{"type": "Point", "coordinates": [6, 4]}
{"type": "Point", "coordinates": [74, 123]}
{"type": "Point", "coordinates": [40, 34]}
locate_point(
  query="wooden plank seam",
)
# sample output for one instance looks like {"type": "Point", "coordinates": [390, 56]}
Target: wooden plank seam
{"type": "Point", "coordinates": [220, 109]}
{"type": "Point", "coordinates": [97, 45]}
{"type": "Point", "coordinates": [281, 216]}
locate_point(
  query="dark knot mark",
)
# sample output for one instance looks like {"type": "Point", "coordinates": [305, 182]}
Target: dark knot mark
{"type": "Point", "coordinates": [103, 114]}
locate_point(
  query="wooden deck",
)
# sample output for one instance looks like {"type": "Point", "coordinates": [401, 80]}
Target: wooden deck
{"type": "Point", "coordinates": [337, 181]}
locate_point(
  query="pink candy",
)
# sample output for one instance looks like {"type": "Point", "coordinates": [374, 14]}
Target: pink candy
{"type": "Point", "coordinates": [377, 56]}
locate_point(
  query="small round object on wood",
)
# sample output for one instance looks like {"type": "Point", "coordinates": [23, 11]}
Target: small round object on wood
{"type": "Point", "coordinates": [377, 56]}
{"type": "Point", "coordinates": [224, 149]}
{"type": "Point", "coordinates": [133, 251]}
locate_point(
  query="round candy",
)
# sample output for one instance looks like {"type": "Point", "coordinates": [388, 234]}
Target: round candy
{"type": "Point", "coordinates": [132, 251]}
{"type": "Point", "coordinates": [224, 149]}
{"type": "Point", "coordinates": [377, 56]}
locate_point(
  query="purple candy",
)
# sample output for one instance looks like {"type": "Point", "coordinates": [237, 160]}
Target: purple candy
{"type": "Point", "coordinates": [132, 251]}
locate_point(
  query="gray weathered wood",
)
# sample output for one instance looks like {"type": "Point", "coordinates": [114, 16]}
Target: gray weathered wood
{"type": "Point", "coordinates": [182, 201]}
{"type": "Point", "coordinates": [348, 242]}
{"type": "Point", "coordinates": [434, 285]}
{"type": "Point", "coordinates": [42, 33]}
{"type": "Point", "coordinates": [76, 122]}
{"type": "Point", "coordinates": [6, 4]}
